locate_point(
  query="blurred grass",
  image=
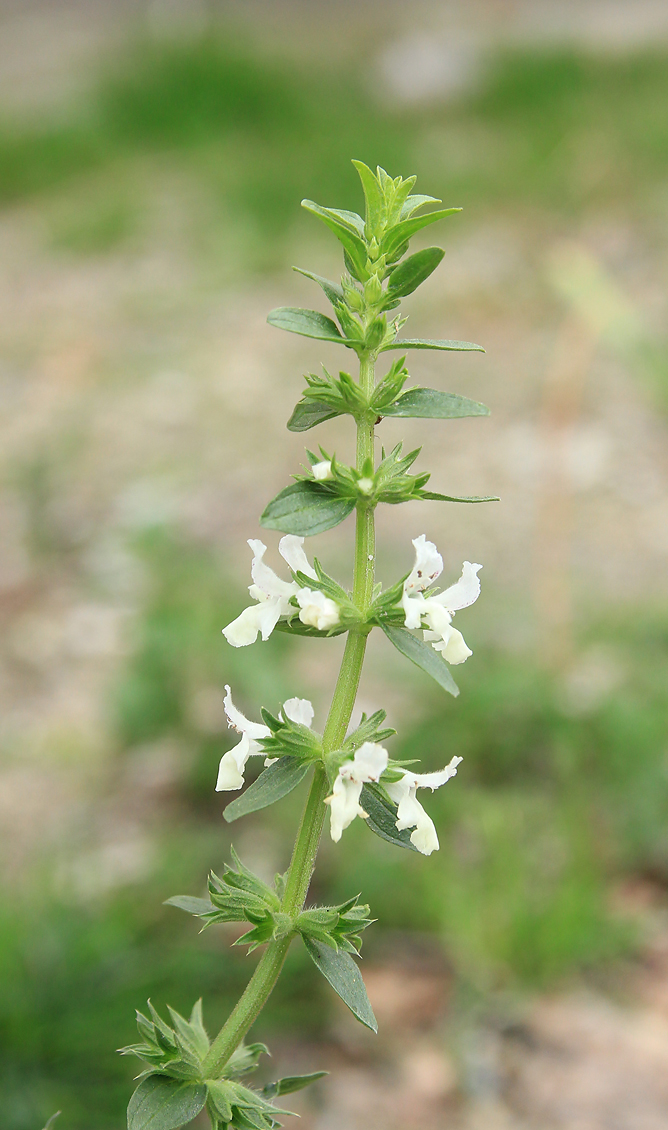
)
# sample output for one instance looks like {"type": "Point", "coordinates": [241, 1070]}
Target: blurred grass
{"type": "Point", "coordinates": [554, 803]}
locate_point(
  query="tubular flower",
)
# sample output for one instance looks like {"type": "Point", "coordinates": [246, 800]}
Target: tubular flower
{"type": "Point", "coordinates": [437, 611]}
{"type": "Point", "coordinates": [369, 762]}
{"type": "Point", "coordinates": [322, 471]}
{"type": "Point", "coordinates": [273, 595]}
{"type": "Point", "coordinates": [410, 813]}
{"type": "Point", "coordinates": [317, 610]}
{"type": "Point", "coordinates": [233, 763]}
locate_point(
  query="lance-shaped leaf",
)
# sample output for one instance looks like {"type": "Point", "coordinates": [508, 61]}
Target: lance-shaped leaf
{"type": "Point", "coordinates": [274, 782]}
{"type": "Point", "coordinates": [412, 203]}
{"type": "Point", "coordinates": [305, 508]}
{"type": "Point", "coordinates": [423, 655]}
{"type": "Point", "coordinates": [405, 229]}
{"type": "Point", "coordinates": [191, 905]}
{"type": "Point", "coordinates": [434, 496]}
{"type": "Point", "coordinates": [431, 404]}
{"type": "Point", "coordinates": [408, 276]}
{"type": "Point", "coordinates": [291, 1083]}
{"type": "Point", "coordinates": [308, 323]}
{"type": "Point", "coordinates": [333, 291]}
{"type": "Point", "coordinates": [345, 978]}
{"type": "Point", "coordinates": [382, 818]}
{"type": "Point", "coordinates": [308, 413]}
{"type": "Point", "coordinates": [160, 1103]}
{"type": "Point", "coordinates": [295, 627]}
{"type": "Point", "coordinates": [428, 343]}
{"type": "Point", "coordinates": [375, 201]}
{"type": "Point", "coordinates": [344, 229]}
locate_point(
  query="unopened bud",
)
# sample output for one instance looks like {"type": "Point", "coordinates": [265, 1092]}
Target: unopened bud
{"type": "Point", "coordinates": [373, 290]}
{"type": "Point", "coordinates": [365, 486]}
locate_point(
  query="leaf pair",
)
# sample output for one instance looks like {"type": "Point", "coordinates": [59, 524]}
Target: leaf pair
{"type": "Point", "coordinates": [311, 323]}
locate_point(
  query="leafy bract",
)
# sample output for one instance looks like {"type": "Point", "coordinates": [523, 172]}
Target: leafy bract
{"type": "Point", "coordinates": [308, 413]}
{"type": "Point", "coordinates": [434, 496]}
{"type": "Point", "coordinates": [408, 275]}
{"type": "Point", "coordinates": [305, 508]}
{"type": "Point", "coordinates": [345, 978]}
{"type": "Point", "coordinates": [428, 343]}
{"type": "Point", "coordinates": [423, 655]}
{"type": "Point", "coordinates": [375, 203]}
{"type": "Point", "coordinates": [431, 404]}
{"type": "Point", "coordinates": [308, 323]}
{"type": "Point", "coordinates": [333, 290]}
{"type": "Point", "coordinates": [161, 1103]}
{"type": "Point", "coordinates": [400, 233]}
{"type": "Point", "coordinates": [346, 231]}
{"type": "Point", "coordinates": [290, 1083]}
{"type": "Point", "coordinates": [382, 818]}
{"type": "Point", "coordinates": [190, 904]}
{"type": "Point", "coordinates": [274, 782]}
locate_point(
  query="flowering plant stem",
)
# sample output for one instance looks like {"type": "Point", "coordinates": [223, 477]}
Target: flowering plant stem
{"type": "Point", "coordinates": [305, 850]}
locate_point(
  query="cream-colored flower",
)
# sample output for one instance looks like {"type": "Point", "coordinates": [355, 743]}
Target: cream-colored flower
{"type": "Point", "coordinates": [233, 763]}
{"type": "Point", "coordinates": [322, 471]}
{"type": "Point", "coordinates": [317, 610]}
{"type": "Point", "coordinates": [270, 591]}
{"type": "Point", "coordinates": [369, 762]}
{"type": "Point", "coordinates": [435, 613]}
{"type": "Point", "coordinates": [410, 813]}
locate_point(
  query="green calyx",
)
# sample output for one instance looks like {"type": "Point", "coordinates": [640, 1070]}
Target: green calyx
{"type": "Point", "coordinates": [174, 1086]}
{"type": "Point", "coordinates": [337, 926]}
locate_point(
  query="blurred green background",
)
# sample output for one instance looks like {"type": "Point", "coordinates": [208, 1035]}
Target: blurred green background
{"type": "Point", "coordinates": [150, 194]}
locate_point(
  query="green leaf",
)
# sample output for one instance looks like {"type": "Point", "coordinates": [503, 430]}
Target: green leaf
{"type": "Point", "coordinates": [274, 782]}
{"type": "Point", "coordinates": [408, 276]}
{"type": "Point", "coordinates": [383, 818]}
{"type": "Point", "coordinates": [308, 413]}
{"type": "Point", "coordinates": [433, 496]}
{"type": "Point", "coordinates": [427, 343]}
{"type": "Point", "coordinates": [308, 323]}
{"type": "Point", "coordinates": [423, 655]}
{"type": "Point", "coordinates": [373, 196]}
{"type": "Point", "coordinates": [295, 627]}
{"type": "Point", "coordinates": [305, 509]}
{"type": "Point", "coordinates": [412, 203]}
{"type": "Point", "coordinates": [431, 404]}
{"type": "Point", "coordinates": [290, 1083]}
{"type": "Point", "coordinates": [190, 904]}
{"type": "Point", "coordinates": [160, 1103]}
{"type": "Point", "coordinates": [333, 291]}
{"type": "Point", "coordinates": [405, 229]}
{"type": "Point", "coordinates": [345, 978]}
{"type": "Point", "coordinates": [345, 233]}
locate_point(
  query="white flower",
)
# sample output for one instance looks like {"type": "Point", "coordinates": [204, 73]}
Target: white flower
{"type": "Point", "coordinates": [367, 765]}
{"type": "Point", "coordinates": [437, 611]}
{"type": "Point", "coordinates": [322, 471]}
{"type": "Point", "coordinates": [317, 610]}
{"type": "Point", "coordinates": [410, 813]}
{"type": "Point", "coordinates": [233, 763]}
{"type": "Point", "coordinates": [272, 593]}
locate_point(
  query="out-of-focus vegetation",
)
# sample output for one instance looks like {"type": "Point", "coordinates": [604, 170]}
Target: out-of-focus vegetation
{"type": "Point", "coordinates": [564, 786]}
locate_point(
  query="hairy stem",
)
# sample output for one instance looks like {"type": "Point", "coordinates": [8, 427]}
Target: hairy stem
{"type": "Point", "coordinates": [267, 970]}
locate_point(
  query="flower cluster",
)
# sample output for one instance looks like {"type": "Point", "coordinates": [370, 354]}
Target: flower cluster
{"type": "Point", "coordinates": [233, 763]}
{"type": "Point", "coordinates": [277, 598]}
{"type": "Point", "coordinates": [368, 766]}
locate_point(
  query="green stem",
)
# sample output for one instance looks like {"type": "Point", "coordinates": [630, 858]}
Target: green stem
{"type": "Point", "coordinates": [267, 970]}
